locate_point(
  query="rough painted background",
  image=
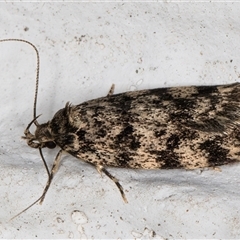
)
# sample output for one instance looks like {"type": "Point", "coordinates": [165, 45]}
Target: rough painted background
{"type": "Point", "coordinates": [84, 48]}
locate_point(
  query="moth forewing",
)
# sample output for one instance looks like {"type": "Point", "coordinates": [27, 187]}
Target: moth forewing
{"type": "Point", "coordinates": [181, 127]}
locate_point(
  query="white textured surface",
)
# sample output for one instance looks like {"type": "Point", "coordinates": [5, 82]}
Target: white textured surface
{"type": "Point", "coordinates": [84, 48]}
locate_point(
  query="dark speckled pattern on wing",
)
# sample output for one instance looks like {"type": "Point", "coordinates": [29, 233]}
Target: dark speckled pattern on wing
{"type": "Point", "coordinates": [180, 127]}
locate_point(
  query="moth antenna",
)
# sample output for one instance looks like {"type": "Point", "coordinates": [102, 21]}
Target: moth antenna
{"type": "Point", "coordinates": [40, 199]}
{"type": "Point", "coordinates": [50, 177]}
{"type": "Point", "coordinates": [37, 72]}
{"type": "Point", "coordinates": [45, 164]}
{"type": "Point", "coordinates": [24, 210]}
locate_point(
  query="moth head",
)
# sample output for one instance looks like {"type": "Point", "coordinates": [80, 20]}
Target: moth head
{"type": "Point", "coordinates": [42, 137]}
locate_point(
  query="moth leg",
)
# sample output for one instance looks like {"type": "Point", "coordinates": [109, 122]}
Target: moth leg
{"type": "Point", "coordinates": [54, 169]}
{"type": "Point", "coordinates": [50, 177]}
{"type": "Point", "coordinates": [101, 169]}
{"type": "Point", "coordinates": [111, 91]}
{"type": "Point", "coordinates": [217, 169]}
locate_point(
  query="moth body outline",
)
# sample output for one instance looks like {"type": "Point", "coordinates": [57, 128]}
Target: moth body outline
{"type": "Point", "coordinates": [119, 130]}
{"type": "Point", "coordinates": [164, 128]}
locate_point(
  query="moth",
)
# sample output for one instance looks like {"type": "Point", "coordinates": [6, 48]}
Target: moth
{"type": "Point", "coordinates": [165, 128]}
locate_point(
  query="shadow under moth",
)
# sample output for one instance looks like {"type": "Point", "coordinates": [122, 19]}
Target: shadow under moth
{"type": "Point", "coordinates": [165, 128]}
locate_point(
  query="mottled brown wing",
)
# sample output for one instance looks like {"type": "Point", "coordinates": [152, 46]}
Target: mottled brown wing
{"type": "Point", "coordinates": [183, 127]}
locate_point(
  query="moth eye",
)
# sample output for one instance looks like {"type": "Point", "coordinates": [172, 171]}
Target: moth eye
{"type": "Point", "coordinates": [50, 145]}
